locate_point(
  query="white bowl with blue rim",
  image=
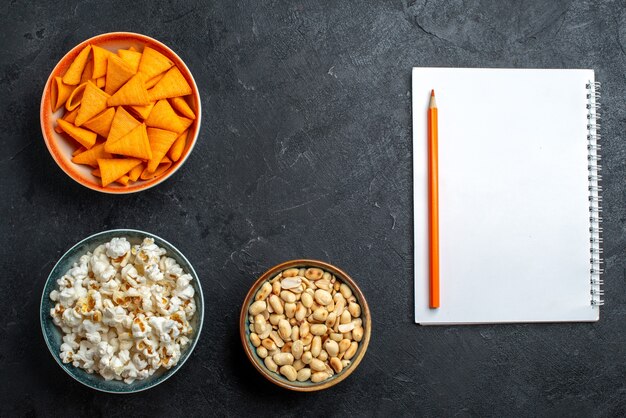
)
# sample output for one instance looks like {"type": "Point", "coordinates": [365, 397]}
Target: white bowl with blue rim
{"type": "Point", "coordinates": [53, 334]}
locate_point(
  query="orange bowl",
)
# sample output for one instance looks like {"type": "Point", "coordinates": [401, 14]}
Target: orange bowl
{"type": "Point", "coordinates": [61, 148]}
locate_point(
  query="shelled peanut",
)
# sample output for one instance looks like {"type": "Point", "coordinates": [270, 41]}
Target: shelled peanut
{"type": "Point", "coordinates": [305, 324]}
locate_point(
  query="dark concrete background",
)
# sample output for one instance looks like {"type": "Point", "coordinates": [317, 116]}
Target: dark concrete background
{"type": "Point", "coordinates": [305, 151]}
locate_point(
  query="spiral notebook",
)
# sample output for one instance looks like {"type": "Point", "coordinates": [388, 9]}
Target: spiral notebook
{"type": "Point", "coordinates": [519, 199]}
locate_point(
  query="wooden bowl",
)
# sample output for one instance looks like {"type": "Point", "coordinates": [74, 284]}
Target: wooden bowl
{"type": "Point", "coordinates": [61, 148]}
{"type": "Point", "coordinates": [257, 362]}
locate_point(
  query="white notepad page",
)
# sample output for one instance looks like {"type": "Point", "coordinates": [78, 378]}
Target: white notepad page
{"type": "Point", "coordinates": [513, 195]}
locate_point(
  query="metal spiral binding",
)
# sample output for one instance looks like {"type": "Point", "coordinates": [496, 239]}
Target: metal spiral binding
{"type": "Point", "coordinates": [595, 199]}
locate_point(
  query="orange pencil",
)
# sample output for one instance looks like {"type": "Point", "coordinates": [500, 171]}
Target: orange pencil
{"type": "Point", "coordinates": [433, 199]}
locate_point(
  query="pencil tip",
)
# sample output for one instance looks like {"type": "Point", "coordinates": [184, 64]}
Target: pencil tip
{"type": "Point", "coordinates": [432, 93]}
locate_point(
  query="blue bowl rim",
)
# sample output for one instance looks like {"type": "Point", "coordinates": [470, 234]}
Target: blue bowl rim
{"type": "Point", "coordinates": [193, 343]}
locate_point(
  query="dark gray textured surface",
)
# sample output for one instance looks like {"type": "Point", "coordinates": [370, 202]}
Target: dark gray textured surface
{"type": "Point", "coordinates": [305, 151]}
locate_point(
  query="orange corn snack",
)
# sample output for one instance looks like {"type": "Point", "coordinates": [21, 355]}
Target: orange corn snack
{"type": "Point", "coordinates": [163, 116]}
{"type": "Point", "coordinates": [94, 101]}
{"type": "Point", "coordinates": [153, 63]}
{"type": "Point", "coordinates": [75, 71]}
{"type": "Point", "coordinates": [123, 123]}
{"type": "Point", "coordinates": [101, 124]}
{"type": "Point", "coordinates": [70, 116]}
{"type": "Point", "coordinates": [112, 169]}
{"type": "Point", "coordinates": [87, 72]}
{"type": "Point", "coordinates": [59, 93]}
{"type": "Point", "coordinates": [178, 146]}
{"type": "Point", "coordinates": [130, 112]}
{"type": "Point", "coordinates": [83, 136]}
{"type": "Point", "coordinates": [78, 150]}
{"type": "Point", "coordinates": [143, 111]}
{"type": "Point", "coordinates": [118, 73]}
{"type": "Point", "coordinates": [77, 95]}
{"type": "Point", "coordinates": [173, 84]}
{"type": "Point", "coordinates": [132, 58]}
{"type": "Point", "coordinates": [181, 106]}
{"type": "Point", "coordinates": [186, 122]}
{"type": "Point", "coordinates": [90, 156]}
{"type": "Point", "coordinates": [162, 168]}
{"type": "Point", "coordinates": [133, 144]}
{"type": "Point", "coordinates": [100, 57]}
{"type": "Point", "coordinates": [123, 180]}
{"type": "Point", "coordinates": [160, 143]}
{"type": "Point", "coordinates": [132, 93]}
{"type": "Point", "coordinates": [154, 80]}
{"type": "Point", "coordinates": [134, 174]}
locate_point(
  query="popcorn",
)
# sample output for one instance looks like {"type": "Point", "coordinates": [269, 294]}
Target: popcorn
{"type": "Point", "coordinates": [184, 290]}
{"type": "Point", "coordinates": [148, 252]}
{"type": "Point", "coordinates": [140, 328]}
{"type": "Point", "coordinates": [154, 273]}
{"type": "Point", "coordinates": [124, 311]}
{"type": "Point", "coordinates": [117, 248]}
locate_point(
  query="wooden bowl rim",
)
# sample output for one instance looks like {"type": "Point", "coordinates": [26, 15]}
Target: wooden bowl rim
{"type": "Point", "coordinates": [47, 128]}
{"type": "Point", "coordinates": [365, 314]}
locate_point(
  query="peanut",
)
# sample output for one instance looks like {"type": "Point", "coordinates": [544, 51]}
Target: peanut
{"type": "Point", "coordinates": [264, 292]}
{"type": "Point", "coordinates": [283, 358]}
{"type": "Point", "coordinates": [257, 307]}
{"type": "Point", "coordinates": [319, 377]}
{"type": "Point", "coordinates": [304, 374]}
{"type": "Point", "coordinates": [289, 372]}
{"type": "Point", "coordinates": [305, 324]}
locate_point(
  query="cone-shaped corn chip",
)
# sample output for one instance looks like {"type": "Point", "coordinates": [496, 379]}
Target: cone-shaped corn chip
{"type": "Point", "coordinates": [133, 144]}
{"type": "Point", "coordinates": [112, 169]}
{"type": "Point", "coordinates": [136, 172]}
{"type": "Point", "coordinates": [160, 143]}
{"type": "Point", "coordinates": [123, 123]}
{"type": "Point", "coordinates": [93, 103]}
{"type": "Point", "coordinates": [71, 116]}
{"type": "Point", "coordinates": [87, 72]}
{"type": "Point", "coordinates": [164, 165]}
{"type": "Point", "coordinates": [186, 122]}
{"type": "Point", "coordinates": [131, 58]}
{"type": "Point", "coordinates": [77, 95]}
{"type": "Point", "coordinates": [59, 93]}
{"type": "Point", "coordinates": [101, 124]}
{"type": "Point", "coordinates": [91, 156]}
{"type": "Point", "coordinates": [132, 93]}
{"type": "Point", "coordinates": [68, 117]}
{"type": "Point", "coordinates": [100, 56]}
{"type": "Point", "coordinates": [173, 84]}
{"type": "Point", "coordinates": [123, 180]}
{"type": "Point", "coordinates": [182, 107]}
{"type": "Point", "coordinates": [143, 111]}
{"type": "Point", "coordinates": [100, 82]}
{"type": "Point", "coordinates": [73, 74]}
{"type": "Point", "coordinates": [118, 73]}
{"type": "Point", "coordinates": [84, 137]}
{"type": "Point", "coordinates": [178, 146]}
{"type": "Point", "coordinates": [164, 117]}
{"type": "Point", "coordinates": [96, 172]}
{"type": "Point", "coordinates": [154, 80]}
{"type": "Point", "coordinates": [153, 63]}
{"type": "Point", "coordinates": [79, 150]}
